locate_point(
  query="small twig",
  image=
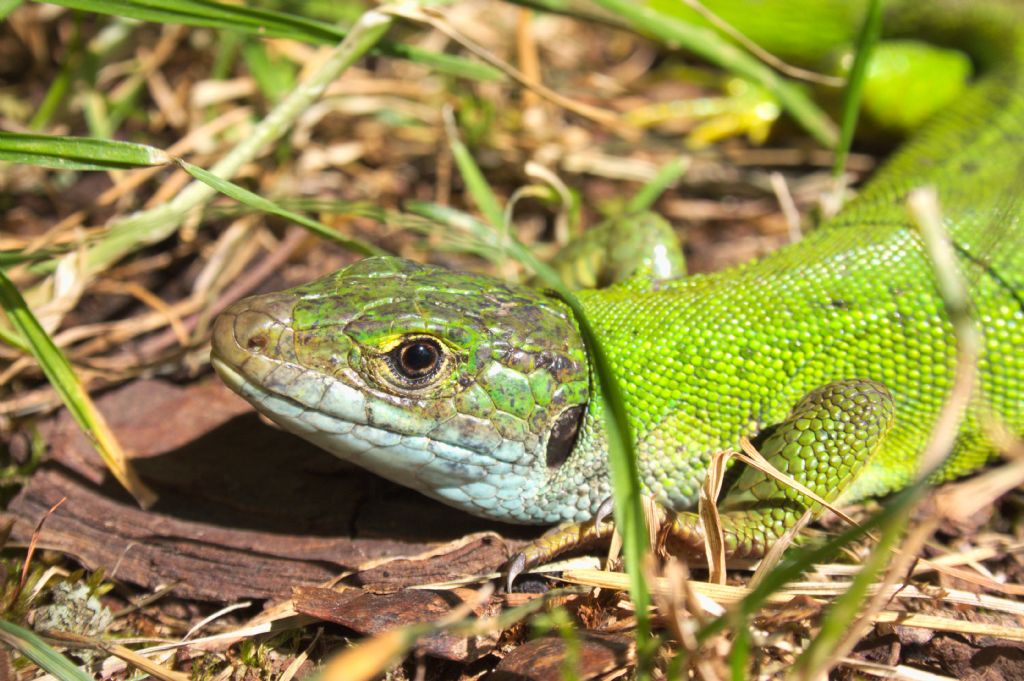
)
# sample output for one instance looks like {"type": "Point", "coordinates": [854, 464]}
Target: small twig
{"type": "Point", "coordinates": [138, 604]}
{"type": "Point", "coordinates": [214, 616]}
{"type": "Point", "coordinates": [243, 285]}
{"type": "Point", "coordinates": [526, 51]}
{"type": "Point", "coordinates": [788, 206]}
{"type": "Point", "coordinates": [33, 542]}
{"type": "Point", "coordinates": [924, 206]}
{"type": "Point", "coordinates": [438, 22]}
{"type": "Point", "coordinates": [537, 171]}
{"type": "Point", "coordinates": [148, 298]}
{"type": "Point", "coordinates": [300, 659]}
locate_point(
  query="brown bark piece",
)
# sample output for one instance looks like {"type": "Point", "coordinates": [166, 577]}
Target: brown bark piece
{"type": "Point", "coordinates": [369, 614]}
{"type": "Point", "coordinates": [245, 510]}
{"type": "Point", "coordinates": [471, 556]}
{"type": "Point", "coordinates": [543, 659]}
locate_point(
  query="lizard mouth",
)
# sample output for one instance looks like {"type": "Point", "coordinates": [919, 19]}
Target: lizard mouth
{"type": "Point", "coordinates": [289, 412]}
{"type": "Point", "coordinates": [227, 374]}
{"type": "Point", "coordinates": [242, 386]}
{"type": "Point", "coordinates": [447, 472]}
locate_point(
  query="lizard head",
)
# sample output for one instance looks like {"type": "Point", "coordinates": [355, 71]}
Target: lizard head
{"type": "Point", "coordinates": [458, 385]}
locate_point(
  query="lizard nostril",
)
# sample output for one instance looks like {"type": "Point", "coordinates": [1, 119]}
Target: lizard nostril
{"type": "Point", "coordinates": [257, 342]}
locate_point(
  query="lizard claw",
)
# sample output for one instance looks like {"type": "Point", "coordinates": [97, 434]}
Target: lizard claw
{"type": "Point", "coordinates": [604, 510]}
{"type": "Point", "coordinates": [559, 540]}
{"type": "Point", "coordinates": [516, 566]}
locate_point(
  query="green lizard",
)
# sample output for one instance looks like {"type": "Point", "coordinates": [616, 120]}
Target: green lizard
{"type": "Point", "coordinates": [836, 351]}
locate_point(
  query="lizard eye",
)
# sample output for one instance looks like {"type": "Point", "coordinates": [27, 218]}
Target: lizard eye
{"type": "Point", "coordinates": [416, 359]}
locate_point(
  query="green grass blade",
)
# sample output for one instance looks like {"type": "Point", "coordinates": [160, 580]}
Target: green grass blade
{"type": "Point", "coordinates": [739, 654]}
{"type": "Point", "coordinates": [55, 95]}
{"type": "Point", "coordinates": [476, 183]}
{"type": "Point", "coordinates": [706, 43]}
{"type": "Point", "coordinates": [127, 234]}
{"type": "Point", "coordinates": [270, 24]}
{"type": "Point", "coordinates": [451, 64]}
{"type": "Point", "coordinates": [99, 118]}
{"type": "Point", "coordinates": [60, 87]}
{"type": "Point", "coordinates": [482, 237]}
{"type": "Point", "coordinates": [799, 560]}
{"type": "Point", "coordinates": [870, 33]}
{"type": "Point", "coordinates": [627, 492]}
{"type": "Point", "coordinates": [274, 76]}
{"type": "Point", "coordinates": [229, 44]}
{"type": "Point", "coordinates": [62, 377]}
{"type": "Point", "coordinates": [104, 110]}
{"type": "Point", "coordinates": [256, 201]}
{"type": "Point", "coordinates": [78, 153]}
{"type": "Point", "coordinates": [29, 644]}
{"type": "Point", "coordinates": [835, 622]}
{"type": "Point", "coordinates": [16, 257]}
{"type": "Point", "coordinates": [625, 474]}
{"type": "Point", "coordinates": [12, 339]}
{"type": "Point", "coordinates": [8, 6]}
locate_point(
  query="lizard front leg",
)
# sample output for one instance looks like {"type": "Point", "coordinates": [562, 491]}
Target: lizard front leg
{"type": "Point", "coordinates": [828, 439]}
{"type": "Point", "coordinates": [824, 444]}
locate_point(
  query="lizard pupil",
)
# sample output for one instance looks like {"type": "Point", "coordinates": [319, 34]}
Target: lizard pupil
{"type": "Point", "coordinates": [418, 358]}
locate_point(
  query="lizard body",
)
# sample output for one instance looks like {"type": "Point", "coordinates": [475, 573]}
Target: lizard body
{"type": "Point", "coordinates": [837, 349]}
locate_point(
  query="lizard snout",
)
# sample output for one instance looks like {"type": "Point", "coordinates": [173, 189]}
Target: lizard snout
{"type": "Point", "coordinates": [256, 326]}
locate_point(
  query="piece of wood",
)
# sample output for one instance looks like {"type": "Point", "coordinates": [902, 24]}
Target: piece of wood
{"type": "Point", "coordinates": [245, 510]}
{"type": "Point", "coordinates": [545, 659]}
{"type": "Point", "coordinates": [369, 614]}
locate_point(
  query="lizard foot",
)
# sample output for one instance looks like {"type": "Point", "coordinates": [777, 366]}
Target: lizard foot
{"type": "Point", "coordinates": [558, 540]}
{"type": "Point", "coordinates": [828, 439]}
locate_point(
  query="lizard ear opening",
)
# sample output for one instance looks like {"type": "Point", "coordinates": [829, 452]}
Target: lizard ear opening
{"type": "Point", "coordinates": [563, 435]}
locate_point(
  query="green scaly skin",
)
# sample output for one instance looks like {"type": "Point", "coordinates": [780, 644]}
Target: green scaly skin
{"type": "Point", "coordinates": [618, 249]}
{"type": "Point", "coordinates": [835, 351]}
